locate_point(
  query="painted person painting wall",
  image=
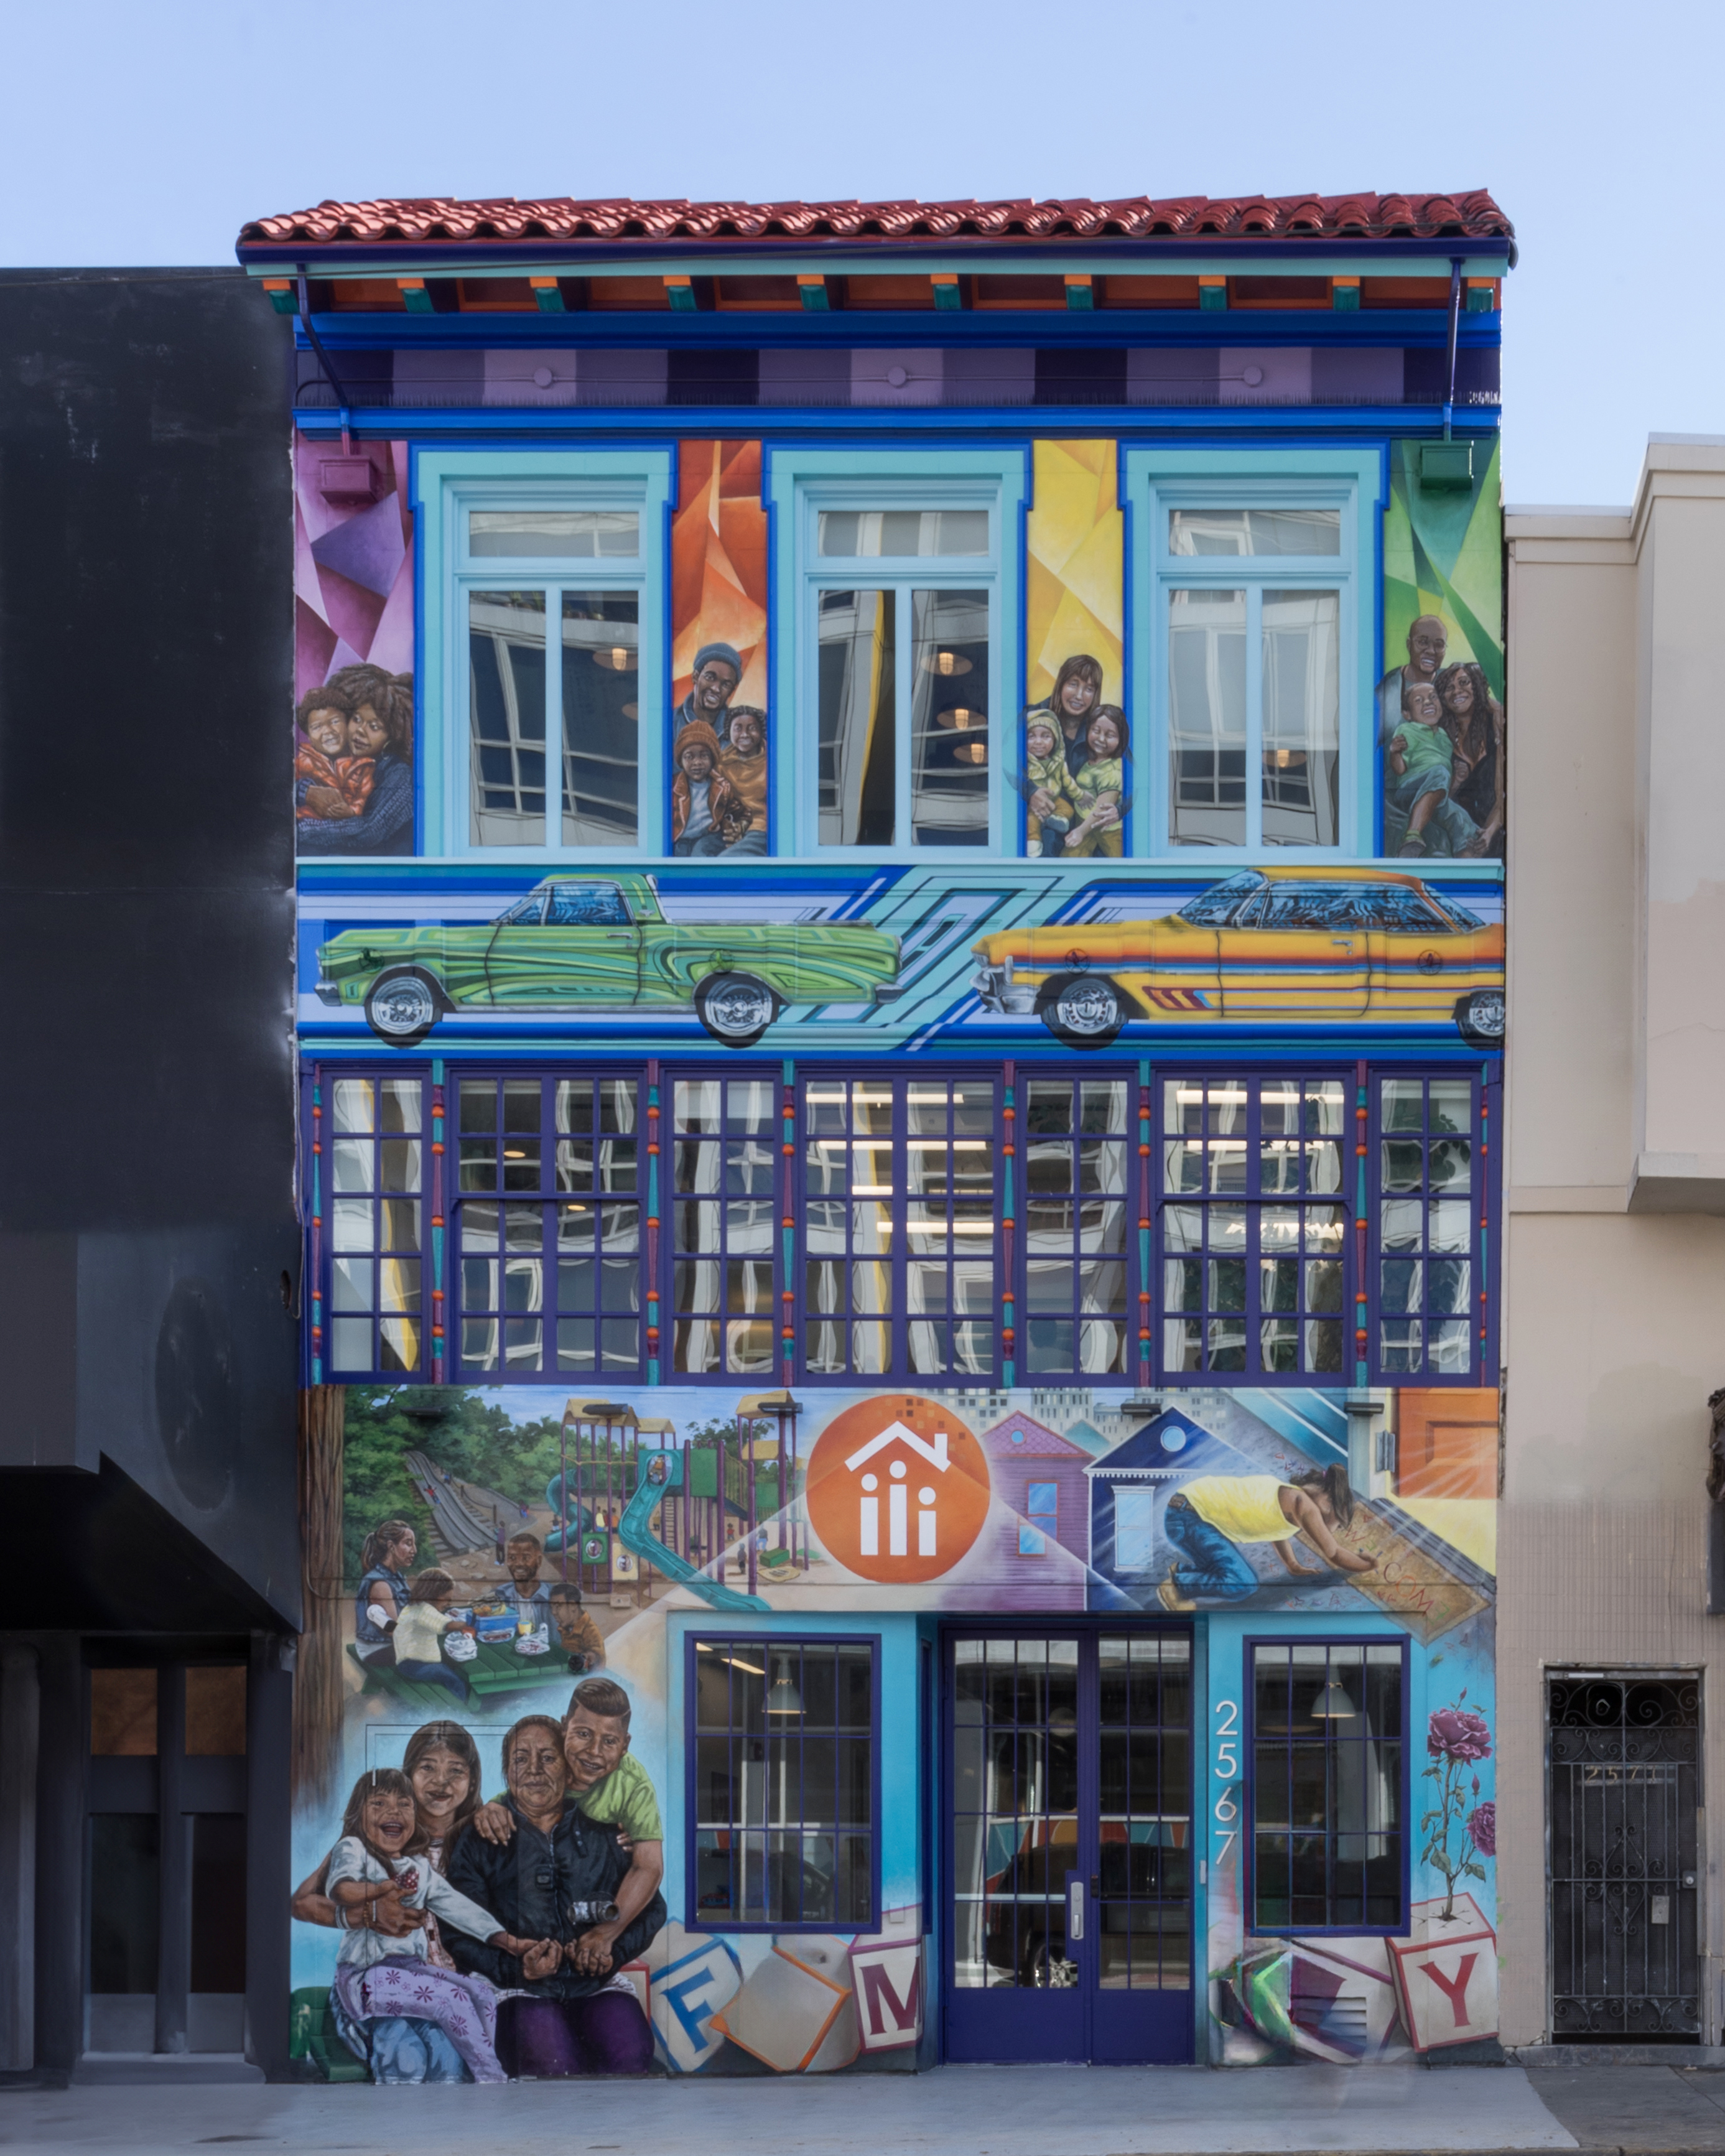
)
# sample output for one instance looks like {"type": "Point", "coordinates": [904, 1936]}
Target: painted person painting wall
{"type": "Point", "coordinates": [528, 1590]}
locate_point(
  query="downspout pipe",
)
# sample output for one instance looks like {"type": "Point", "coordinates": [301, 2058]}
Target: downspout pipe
{"type": "Point", "coordinates": [1454, 319]}
{"type": "Point", "coordinates": [342, 406]}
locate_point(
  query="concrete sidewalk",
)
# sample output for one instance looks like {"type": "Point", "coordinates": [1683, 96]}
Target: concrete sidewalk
{"type": "Point", "coordinates": [1642, 2110]}
{"type": "Point", "coordinates": [958, 2111]}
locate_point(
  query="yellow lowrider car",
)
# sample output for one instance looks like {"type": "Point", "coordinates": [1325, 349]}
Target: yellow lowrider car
{"type": "Point", "coordinates": [1268, 947]}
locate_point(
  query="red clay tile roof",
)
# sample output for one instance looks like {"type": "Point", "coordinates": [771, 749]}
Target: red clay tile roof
{"type": "Point", "coordinates": [442, 221]}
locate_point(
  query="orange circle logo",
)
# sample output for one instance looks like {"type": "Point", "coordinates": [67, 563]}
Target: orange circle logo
{"type": "Point", "coordinates": [897, 1489]}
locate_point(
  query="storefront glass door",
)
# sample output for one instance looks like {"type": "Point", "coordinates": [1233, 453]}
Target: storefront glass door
{"type": "Point", "coordinates": [1068, 1781]}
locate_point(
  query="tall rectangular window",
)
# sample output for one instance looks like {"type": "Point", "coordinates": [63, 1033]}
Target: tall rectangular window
{"type": "Point", "coordinates": [553, 743]}
{"type": "Point", "coordinates": [902, 606]}
{"type": "Point", "coordinates": [1253, 1220]}
{"type": "Point", "coordinates": [899, 1271]}
{"type": "Point", "coordinates": [548, 1231]}
{"type": "Point", "coordinates": [1253, 607]}
{"type": "Point", "coordinates": [1328, 1788]}
{"type": "Point", "coordinates": [1430, 1319]}
{"type": "Point", "coordinates": [782, 1821]}
{"type": "Point", "coordinates": [373, 1201]}
{"type": "Point", "coordinates": [1076, 1167]}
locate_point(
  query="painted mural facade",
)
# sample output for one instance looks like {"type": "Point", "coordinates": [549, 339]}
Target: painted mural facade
{"type": "Point", "coordinates": [902, 1027]}
{"type": "Point", "coordinates": [617, 1552]}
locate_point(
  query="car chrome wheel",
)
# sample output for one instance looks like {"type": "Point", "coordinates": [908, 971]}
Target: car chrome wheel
{"type": "Point", "coordinates": [1483, 1016]}
{"type": "Point", "coordinates": [1086, 1012]}
{"type": "Point", "coordinates": [736, 1009]}
{"type": "Point", "coordinates": [403, 1008]}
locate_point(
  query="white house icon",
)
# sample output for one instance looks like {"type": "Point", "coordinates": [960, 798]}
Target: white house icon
{"type": "Point", "coordinates": [898, 1538]}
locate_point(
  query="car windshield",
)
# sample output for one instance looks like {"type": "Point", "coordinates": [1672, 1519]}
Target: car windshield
{"type": "Point", "coordinates": [587, 906]}
{"type": "Point", "coordinates": [1317, 905]}
{"type": "Point", "coordinates": [529, 908]}
{"type": "Point", "coordinates": [1217, 906]}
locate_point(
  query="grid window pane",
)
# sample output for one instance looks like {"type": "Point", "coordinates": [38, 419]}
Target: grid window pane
{"type": "Point", "coordinates": [1144, 1703]}
{"type": "Point", "coordinates": [1015, 1806]}
{"type": "Point", "coordinates": [601, 718]}
{"type": "Point", "coordinates": [1328, 1822]}
{"type": "Point", "coordinates": [1253, 1226]}
{"type": "Point", "coordinates": [506, 648]}
{"type": "Point", "coordinates": [1301, 639]}
{"type": "Point", "coordinates": [1076, 1167]}
{"type": "Point", "coordinates": [549, 1243]}
{"type": "Point", "coordinates": [725, 1155]}
{"type": "Point", "coordinates": [1207, 718]}
{"type": "Point", "coordinates": [1430, 1317]}
{"type": "Point", "coordinates": [371, 1208]}
{"type": "Point", "coordinates": [898, 1266]}
{"type": "Point", "coordinates": [783, 1815]}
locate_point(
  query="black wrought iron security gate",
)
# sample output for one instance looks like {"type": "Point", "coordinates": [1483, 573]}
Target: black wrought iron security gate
{"type": "Point", "coordinates": [1623, 1787]}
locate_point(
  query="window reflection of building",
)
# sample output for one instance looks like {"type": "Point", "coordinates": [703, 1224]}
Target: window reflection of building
{"type": "Point", "coordinates": [724, 1225]}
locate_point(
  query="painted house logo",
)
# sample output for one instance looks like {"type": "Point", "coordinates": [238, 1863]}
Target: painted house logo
{"type": "Point", "coordinates": [898, 1489]}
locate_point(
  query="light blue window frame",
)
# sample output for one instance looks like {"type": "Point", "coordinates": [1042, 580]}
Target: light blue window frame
{"type": "Point", "coordinates": [800, 482]}
{"type": "Point", "coordinates": [447, 484]}
{"type": "Point", "coordinates": [1355, 481]}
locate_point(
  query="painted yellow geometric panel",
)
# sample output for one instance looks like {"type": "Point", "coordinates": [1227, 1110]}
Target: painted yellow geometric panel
{"type": "Point", "coordinates": [1074, 597]}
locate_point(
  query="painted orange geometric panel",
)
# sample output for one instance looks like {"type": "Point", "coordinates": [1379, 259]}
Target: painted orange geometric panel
{"type": "Point", "coordinates": [1446, 1444]}
{"type": "Point", "coordinates": [719, 563]}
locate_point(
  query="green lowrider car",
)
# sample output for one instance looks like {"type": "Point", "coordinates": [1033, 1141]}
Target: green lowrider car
{"type": "Point", "coordinates": [577, 943]}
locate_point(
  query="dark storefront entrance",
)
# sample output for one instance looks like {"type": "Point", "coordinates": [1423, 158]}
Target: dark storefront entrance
{"type": "Point", "coordinates": [1067, 1786]}
{"type": "Point", "coordinates": [166, 1795]}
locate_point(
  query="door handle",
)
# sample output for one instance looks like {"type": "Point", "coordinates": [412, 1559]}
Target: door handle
{"type": "Point", "coordinates": [1074, 1912]}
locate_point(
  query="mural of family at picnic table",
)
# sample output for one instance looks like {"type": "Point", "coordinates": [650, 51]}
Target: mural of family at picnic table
{"type": "Point", "coordinates": [498, 1873]}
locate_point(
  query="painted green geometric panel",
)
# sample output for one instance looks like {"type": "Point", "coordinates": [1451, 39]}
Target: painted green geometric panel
{"type": "Point", "coordinates": [1442, 555]}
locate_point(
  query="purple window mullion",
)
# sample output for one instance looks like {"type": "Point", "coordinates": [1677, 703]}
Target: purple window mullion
{"type": "Point", "coordinates": [317, 1224]}
{"type": "Point", "coordinates": [1363, 1356]}
{"type": "Point", "coordinates": [440, 1343]}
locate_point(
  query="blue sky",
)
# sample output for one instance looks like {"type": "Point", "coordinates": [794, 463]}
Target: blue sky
{"type": "Point", "coordinates": [152, 132]}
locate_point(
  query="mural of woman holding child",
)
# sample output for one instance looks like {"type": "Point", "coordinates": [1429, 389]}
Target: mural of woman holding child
{"type": "Point", "coordinates": [1077, 759]}
{"type": "Point", "coordinates": [482, 1941]}
{"type": "Point", "coordinates": [353, 764]}
{"type": "Point", "coordinates": [1444, 760]}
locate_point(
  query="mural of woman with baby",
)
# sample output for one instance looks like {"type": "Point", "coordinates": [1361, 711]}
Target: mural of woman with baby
{"type": "Point", "coordinates": [353, 764]}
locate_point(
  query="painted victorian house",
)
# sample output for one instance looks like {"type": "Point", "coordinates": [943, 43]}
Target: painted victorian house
{"type": "Point", "coordinates": [900, 816]}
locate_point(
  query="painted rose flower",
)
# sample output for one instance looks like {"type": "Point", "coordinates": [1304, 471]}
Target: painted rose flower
{"type": "Point", "coordinates": [1453, 1732]}
{"type": "Point", "coordinates": [1483, 1828]}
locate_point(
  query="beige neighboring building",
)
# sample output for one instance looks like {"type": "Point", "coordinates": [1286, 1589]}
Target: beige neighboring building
{"type": "Point", "coordinates": [1611, 1673]}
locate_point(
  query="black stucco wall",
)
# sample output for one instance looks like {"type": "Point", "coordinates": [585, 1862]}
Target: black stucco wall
{"type": "Point", "coordinates": [145, 912]}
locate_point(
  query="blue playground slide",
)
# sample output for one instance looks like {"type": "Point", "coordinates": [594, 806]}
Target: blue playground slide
{"type": "Point", "coordinates": [660, 1473]}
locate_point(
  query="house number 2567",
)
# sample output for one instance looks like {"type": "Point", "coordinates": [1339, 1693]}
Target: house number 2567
{"type": "Point", "coordinates": [1227, 1772]}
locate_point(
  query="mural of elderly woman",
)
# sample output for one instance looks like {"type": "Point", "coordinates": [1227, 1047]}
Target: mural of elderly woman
{"type": "Point", "coordinates": [556, 1876]}
{"type": "Point", "coordinates": [1211, 1516]}
{"type": "Point", "coordinates": [380, 727]}
{"type": "Point", "coordinates": [1473, 719]}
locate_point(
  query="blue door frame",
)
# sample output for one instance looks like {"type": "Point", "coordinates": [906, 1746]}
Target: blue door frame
{"type": "Point", "coordinates": [1058, 2008]}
